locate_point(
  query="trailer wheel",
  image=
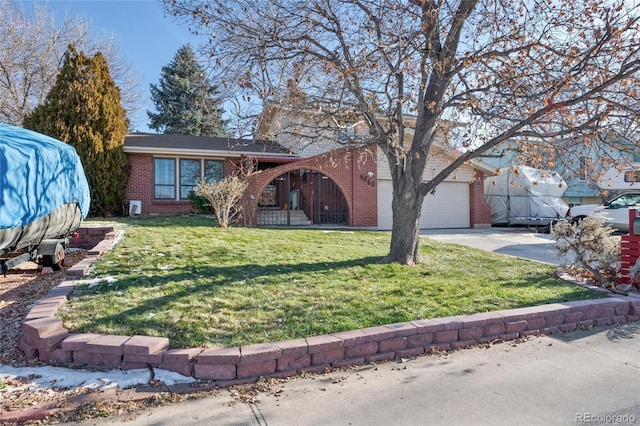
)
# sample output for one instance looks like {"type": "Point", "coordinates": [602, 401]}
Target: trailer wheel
{"type": "Point", "coordinates": [56, 260]}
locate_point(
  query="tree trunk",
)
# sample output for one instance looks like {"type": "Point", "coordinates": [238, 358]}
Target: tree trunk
{"type": "Point", "coordinates": [405, 234]}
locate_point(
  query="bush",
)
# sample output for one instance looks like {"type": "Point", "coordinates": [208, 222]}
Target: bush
{"type": "Point", "coordinates": [199, 204]}
{"type": "Point", "coordinates": [223, 197]}
{"type": "Point", "coordinates": [596, 254]}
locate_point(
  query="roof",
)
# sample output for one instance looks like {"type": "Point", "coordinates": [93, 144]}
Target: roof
{"type": "Point", "coordinates": [151, 143]}
{"type": "Point", "coordinates": [316, 146]}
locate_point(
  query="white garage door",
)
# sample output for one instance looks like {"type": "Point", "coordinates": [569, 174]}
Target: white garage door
{"type": "Point", "coordinates": [447, 208]}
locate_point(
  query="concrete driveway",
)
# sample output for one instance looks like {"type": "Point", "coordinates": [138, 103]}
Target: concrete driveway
{"type": "Point", "coordinates": [519, 242]}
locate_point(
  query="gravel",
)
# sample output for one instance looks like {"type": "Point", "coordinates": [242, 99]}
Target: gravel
{"type": "Point", "coordinates": [19, 290]}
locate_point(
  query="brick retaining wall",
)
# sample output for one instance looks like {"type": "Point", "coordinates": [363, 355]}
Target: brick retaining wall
{"type": "Point", "coordinates": [89, 238]}
{"type": "Point", "coordinates": [44, 337]}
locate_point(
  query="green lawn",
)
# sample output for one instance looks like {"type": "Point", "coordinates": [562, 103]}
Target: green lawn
{"type": "Point", "coordinates": [198, 285]}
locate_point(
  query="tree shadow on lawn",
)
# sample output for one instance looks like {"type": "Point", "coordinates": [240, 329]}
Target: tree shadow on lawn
{"type": "Point", "coordinates": [199, 284]}
{"type": "Point", "coordinates": [178, 284]}
{"type": "Point", "coordinates": [230, 274]}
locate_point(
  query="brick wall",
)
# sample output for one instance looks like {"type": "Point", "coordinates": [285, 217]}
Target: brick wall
{"type": "Point", "coordinates": [479, 210]}
{"type": "Point", "coordinates": [88, 237]}
{"type": "Point", "coordinates": [629, 254]}
{"type": "Point", "coordinates": [348, 169]}
{"type": "Point", "coordinates": [141, 187]}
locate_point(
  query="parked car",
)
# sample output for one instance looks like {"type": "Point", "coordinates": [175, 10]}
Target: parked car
{"type": "Point", "coordinates": [615, 212]}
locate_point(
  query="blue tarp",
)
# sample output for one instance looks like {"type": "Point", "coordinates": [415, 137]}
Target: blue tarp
{"type": "Point", "coordinates": [37, 175]}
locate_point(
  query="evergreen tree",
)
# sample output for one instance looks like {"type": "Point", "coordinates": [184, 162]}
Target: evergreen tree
{"type": "Point", "coordinates": [84, 110]}
{"type": "Point", "coordinates": [186, 101]}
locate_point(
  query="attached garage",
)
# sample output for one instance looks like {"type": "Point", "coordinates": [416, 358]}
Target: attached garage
{"type": "Point", "coordinates": [458, 201]}
{"type": "Point", "coordinates": [447, 208]}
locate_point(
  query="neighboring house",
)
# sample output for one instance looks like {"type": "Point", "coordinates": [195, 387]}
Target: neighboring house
{"type": "Point", "coordinates": [591, 177]}
{"type": "Point", "coordinates": [591, 173]}
{"type": "Point", "coordinates": [322, 184]}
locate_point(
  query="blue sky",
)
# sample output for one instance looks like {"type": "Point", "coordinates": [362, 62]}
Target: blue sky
{"type": "Point", "coordinates": [147, 36]}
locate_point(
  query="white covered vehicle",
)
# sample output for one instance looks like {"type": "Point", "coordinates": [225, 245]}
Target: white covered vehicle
{"type": "Point", "coordinates": [625, 179]}
{"type": "Point", "coordinates": [525, 196]}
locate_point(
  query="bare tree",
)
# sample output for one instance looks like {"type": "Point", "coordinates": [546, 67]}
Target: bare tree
{"type": "Point", "coordinates": [31, 52]}
{"type": "Point", "coordinates": [509, 69]}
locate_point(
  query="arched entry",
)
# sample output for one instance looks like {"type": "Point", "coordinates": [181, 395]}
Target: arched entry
{"type": "Point", "coordinates": [302, 197]}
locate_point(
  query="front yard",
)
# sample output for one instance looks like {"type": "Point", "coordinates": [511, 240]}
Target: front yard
{"type": "Point", "coordinates": [198, 285]}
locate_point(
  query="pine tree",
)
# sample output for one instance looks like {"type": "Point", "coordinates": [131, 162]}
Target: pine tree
{"type": "Point", "coordinates": [84, 110]}
{"type": "Point", "coordinates": [186, 101]}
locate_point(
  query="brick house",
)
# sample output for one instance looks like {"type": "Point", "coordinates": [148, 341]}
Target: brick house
{"type": "Point", "coordinates": [165, 168]}
{"type": "Point", "coordinates": [348, 187]}
{"type": "Point", "coordinates": [458, 201]}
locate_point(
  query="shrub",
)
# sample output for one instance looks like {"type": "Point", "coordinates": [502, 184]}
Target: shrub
{"type": "Point", "coordinates": [224, 197]}
{"type": "Point", "coordinates": [595, 254]}
{"type": "Point", "coordinates": [199, 204]}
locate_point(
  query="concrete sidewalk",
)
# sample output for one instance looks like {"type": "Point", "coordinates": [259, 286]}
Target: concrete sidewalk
{"type": "Point", "coordinates": [588, 376]}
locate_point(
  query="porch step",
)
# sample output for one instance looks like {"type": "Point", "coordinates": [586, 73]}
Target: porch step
{"type": "Point", "coordinates": [279, 217]}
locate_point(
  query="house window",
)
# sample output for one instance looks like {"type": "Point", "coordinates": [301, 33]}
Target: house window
{"type": "Point", "coordinates": [175, 178]}
{"type": "Point", "coordinates": [574, 201]}
{"type": "Point", "coordinates": [632, 176]}
{"type": "Point", "coordinates": [213, 170]}
{"type": "Point", "coordinates": [189, 175]}
{"type": "Point", "coordinates": [165, 178]}
{"type": "Point", "coordinates": [583, 168]}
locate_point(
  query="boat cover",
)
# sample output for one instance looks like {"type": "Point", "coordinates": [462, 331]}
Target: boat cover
{"type": "Point", "coordinates": [525, 196]}
{"type": "Point", "coordinates": [38, 174]}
